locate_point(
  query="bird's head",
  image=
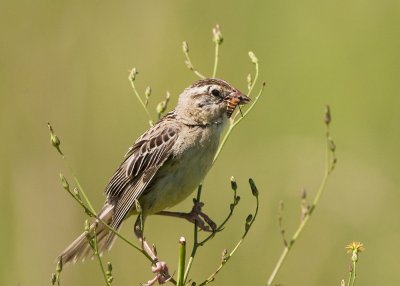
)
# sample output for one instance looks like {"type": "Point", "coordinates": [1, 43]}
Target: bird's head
{"type": "Point", "coordinates": [209, 101]}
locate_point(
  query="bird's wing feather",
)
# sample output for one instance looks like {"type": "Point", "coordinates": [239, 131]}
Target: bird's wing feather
{"type": "Point", "coordinates": [141, 163]}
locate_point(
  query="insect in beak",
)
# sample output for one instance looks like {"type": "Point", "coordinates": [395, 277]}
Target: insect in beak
{"type": "Point", "coordinates": [233, 100]}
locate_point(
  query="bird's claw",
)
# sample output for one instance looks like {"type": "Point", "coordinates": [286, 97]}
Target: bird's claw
{"type": "Point", "coordinates": [196, 215]}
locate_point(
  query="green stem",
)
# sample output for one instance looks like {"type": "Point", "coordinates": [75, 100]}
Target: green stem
{"type": "Point", "coordinates": [195, 240]}
{"type": "Point", "coordinates": [93, 214]}
{"type": "Point", "coordinates": [181, 263]}
{"type": "Point", "coordinates": [78, 184]}
{"type": "Point", "coordinates": [349, 280]}
{"type": "Point", "coordinates": [303, 223]}
{"type": "Point", "coordinates": [235, 123]}
{"type": "Point", "coordinates": [97, 254]}
{"type": "Point", "coordinates": [215, 60]}
{"type": "Point", "coordinates": [354, 274]}
{"type": "Point", "coordinates": [191, 67]}
{"type": "Point", "coordinates": [221, 226]}
{"type": "Point", "coordinates": [212, 276]}
{"type": "Point", "coordinates": [141, 101]}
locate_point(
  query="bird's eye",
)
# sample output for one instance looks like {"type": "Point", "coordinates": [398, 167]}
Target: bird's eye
{"type": "Point", "coordinates": [215, 92]}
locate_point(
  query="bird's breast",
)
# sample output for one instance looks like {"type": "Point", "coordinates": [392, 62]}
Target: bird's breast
{"type": "Point", "coordinates": [180, 175]}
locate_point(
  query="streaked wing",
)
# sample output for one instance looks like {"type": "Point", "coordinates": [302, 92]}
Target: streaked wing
{"type": "Point", "coordinates": [141, 163]}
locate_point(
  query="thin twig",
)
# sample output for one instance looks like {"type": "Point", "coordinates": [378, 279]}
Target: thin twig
{"type": "Point", "coordinates": [234, 124]}
{"type": "Point", "coordinates": [249, 222]}
{"type": "Point", "coordinates": [190, 65]}
{"type": "Point", "coordinates": [214, 74]}
{"type": "Point", "coordinates": [132, 76]}
{"type": "Point", "coordinates": [329, 167]}
{"type": "Point", "coordinates": [195, 240]}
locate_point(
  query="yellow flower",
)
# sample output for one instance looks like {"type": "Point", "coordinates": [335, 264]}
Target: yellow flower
{"type": "Point", "coordinates": [355, 246]}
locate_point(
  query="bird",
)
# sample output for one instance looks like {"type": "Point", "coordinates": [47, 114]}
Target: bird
{"type": "Point", "coordinates": [164, 165]}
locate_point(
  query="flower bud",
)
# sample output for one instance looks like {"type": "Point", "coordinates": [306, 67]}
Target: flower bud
{"type": "Point", "coordinates": [87, 225]}
{"type": "Point", "coordinates": [109, 266]}
{"type": "Point", "coordinates": [132, 74]}
{"type": "Point", "coordinates": [54, 140]}
{"type": "Point", "coordinates": [327, 115]}
{"type": "Point", "coordinates": [233, 184]}
{"type": "Point", "coordinates": [59, 265]}
{"type": "Point", "coordinates": [147, 91]}
{"type": "Point", "coordinates": [185, 47]}
{"type": "Point", "coordinates": [217, 35]}
{"type": "Point", "coordinates": [64, 182]}
{"type": "Point", "coordinates": [253, 57]}
{"type": "Point", "coordinates": [253, 187]}
{"type": "Point", "coordinates": [53, 278]}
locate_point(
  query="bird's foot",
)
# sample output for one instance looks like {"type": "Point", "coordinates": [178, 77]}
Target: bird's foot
{"type": "Point", "coordinates": [204, 222]}
{"type": "Point", "coordinates": [197, 216]}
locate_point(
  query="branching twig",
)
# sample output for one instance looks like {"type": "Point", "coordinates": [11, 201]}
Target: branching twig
{"type": "Point", "coordinates": [249, 222]}
{"type": "Point", "coordinates": [76, 195]}
{"type": "Point", "coordinates": [217, 39]}
{"type": "Point", "coordinates": [132, 77]}
{"type": "Point", "coordinates": [92, 240]}
{"type": "Point", "coordinates": [188, 62]}
{"type": "Point", "coordinates": [331, 161]}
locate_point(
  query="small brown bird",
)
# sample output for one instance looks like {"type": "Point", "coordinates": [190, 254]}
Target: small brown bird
{"type": "Point", "coordinates": [166, 163]}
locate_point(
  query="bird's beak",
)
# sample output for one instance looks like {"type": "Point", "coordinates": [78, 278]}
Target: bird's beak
{"type": "Point", "coordinates": [234, 99]}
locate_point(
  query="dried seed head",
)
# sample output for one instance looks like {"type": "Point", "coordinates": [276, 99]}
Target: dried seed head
{"type": "Point", "coordinates": [132, 74]}
{"type": "Point", "coordinates": [217, 35]}
{"type": "Point", "coordinates": [185, 47]}
{"type": "Point", "coordinates": [53, 278]}
{"type": "Point", "coordinates": [327, 116]}
{"type": "Point", "coordinates": [281, 205]}
{"type": "Point", "coordinates": [162, 106]}
{"type": "Point", "coordinates": [64, 182]}
{"type": "Point", "coordinates": [147, 92]}
{"type": "Point", "coordinates": [303, 194]}
{"type": "Point", "coordinates": [59, 266]}
{"type": "Point", "coordinates": [253, 57]}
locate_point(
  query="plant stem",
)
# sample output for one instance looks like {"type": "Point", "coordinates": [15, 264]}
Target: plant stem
{"type": "Point", "coordinates": [226, 259]}
{"type": "Point", "coordinates": [141, 101]}
{"type": "Point", "coordinates": [215, 60]}
{"type": "Point", "coordinates": [328, 169]}
{"type": "Point", "coordinates": [181, 263]}
{"type": "Point", "coordinates": [97, 254]}
{"type": "Point", "coordinates": [354, 274]}
{"type": "Point", "coordinates": [195, 240]}
{"type": "Point", "coordinates": [235, 123]}
{"type": "Point", "coordinates": [191, 67]}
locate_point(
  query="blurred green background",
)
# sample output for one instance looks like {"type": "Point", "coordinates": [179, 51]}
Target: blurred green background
{"type": "Point", "coordinates": [67, 62]}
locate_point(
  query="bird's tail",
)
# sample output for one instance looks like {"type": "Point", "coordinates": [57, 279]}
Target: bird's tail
{"type": "Point", "coordinates": [80, 248]}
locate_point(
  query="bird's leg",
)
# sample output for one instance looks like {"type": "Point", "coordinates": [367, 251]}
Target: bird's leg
{"type": "Point", "coordinates": [159, 267]}
{"type": "Point", "coordinates": [195, 215]}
